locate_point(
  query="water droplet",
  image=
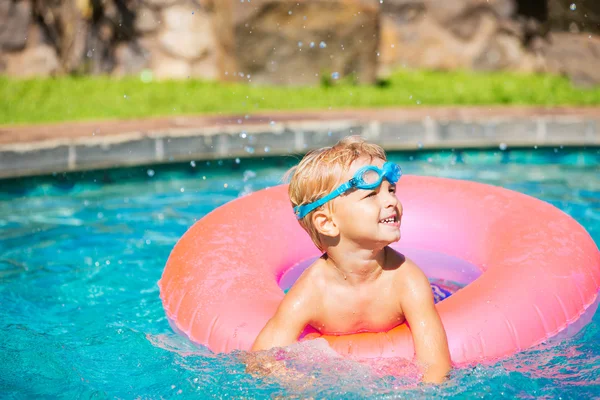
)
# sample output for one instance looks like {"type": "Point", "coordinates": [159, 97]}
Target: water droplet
{"type": "Point", "coordinates": [192, 13]}
{"type": "Point", "coordinates": [124, 96]}
{"type": "Point", "coordinates": [322, 45]}
{"type": "Point", "coordinates": [243, 135]}
{"type": "Point", "coordinates": [182, 190]}
{"type": "Point", "coordinates": [312, 44]}
{"type": "Point", "coordinates": [225, 185]}
{"type": "Point", "coordinates": [267, 149]}
{"type": "Point", "coordinates": [237, 161]}
{"type": "Point", "coordinates": [203, 177]}
{"type": "Point", "coordinates": [249, 149]}
{"type": "Point", "coordinates": [335, 75]}
{"type": "Point", "coordinates": [272, 123]}
{"type": "Point", "coordinates": [290, 12]}
{"type": "Point", "coordinates": [299, 44]}
{"type": "Point", "coordinates": [193, 164]}
{"type": "Point", "coordinates": [150, 173]}
{"type": "Point", "coordinates": [503, 146]}
{"type": "Point", "coordinates": [419, 145]}
{"type": "Point", "coordinates": [573, 7]}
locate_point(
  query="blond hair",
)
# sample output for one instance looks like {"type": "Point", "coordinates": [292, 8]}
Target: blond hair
{"type": "Point", "coordinates": [320, 172]}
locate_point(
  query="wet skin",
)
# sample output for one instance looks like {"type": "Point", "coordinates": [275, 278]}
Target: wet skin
{"type": "Point", "coordinates": [361, 284]}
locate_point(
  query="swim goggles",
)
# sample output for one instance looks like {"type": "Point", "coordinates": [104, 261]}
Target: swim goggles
{"type": "Point", "coordinates": [367, 178]}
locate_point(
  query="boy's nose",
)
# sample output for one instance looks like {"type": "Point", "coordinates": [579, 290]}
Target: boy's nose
{"type": "Point", "coordinates": [392, 201]}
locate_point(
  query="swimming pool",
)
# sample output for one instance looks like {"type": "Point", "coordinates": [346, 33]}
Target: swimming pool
{"type": "Point", "coordinates": [80, 255]}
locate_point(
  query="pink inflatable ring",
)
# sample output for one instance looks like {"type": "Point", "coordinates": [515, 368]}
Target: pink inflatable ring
{"type": "Point", "coordinates": [537, 270]}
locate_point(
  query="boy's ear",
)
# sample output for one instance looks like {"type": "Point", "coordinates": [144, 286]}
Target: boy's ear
{"type": "Point", "coordinates": [324, 223]}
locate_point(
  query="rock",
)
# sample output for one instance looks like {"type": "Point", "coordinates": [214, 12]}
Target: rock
{"type": "Point", "coordinates": [206, 68]}
{"type": "Point", "coordinates": [459, 34]}
{"type": "Point", "coordinates": [290, 42]}
{"type": "Point", "coordinates": [503, 52]}
{"type": "Point", "coordinates": [187, 33]}
{"type": "Point", "coordinates": [130, 59]}
{"type": "Point", "coordinates": [37, 61]}
{"type": "Point", "coordinates": [68, 29]}
{"type": "Point", "coordinates": [160, 3]}
{"type": "Point", "coordinates": [36, 36]}
{"type": "Point", "coordinates": [570, 15]}
{"type": "Point", "coordinates": [146, 20]}
{"type": "Point", "coordinates": [166, 67]}
{"type": "Point", "coordinates": [576, 56]}
{"type": "Point", "coordinates": [422, 41]}
{"type": "Point", "coordinates": [15, 18]}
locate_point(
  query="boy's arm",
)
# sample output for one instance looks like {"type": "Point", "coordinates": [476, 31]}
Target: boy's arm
{"type": "Point", "coordinates": [429, 336]}
{"type": "Point", "coordinates": [291, 317]}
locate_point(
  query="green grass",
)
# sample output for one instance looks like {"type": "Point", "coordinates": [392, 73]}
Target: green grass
{"type": "Point", "coordinates": [90, 98]}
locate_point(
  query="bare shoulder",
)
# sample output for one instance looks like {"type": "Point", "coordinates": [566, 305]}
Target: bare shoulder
{"type": "Point", "coordinates": [408, 275]}
{"type": "Point", "coordinates": [307, 289]}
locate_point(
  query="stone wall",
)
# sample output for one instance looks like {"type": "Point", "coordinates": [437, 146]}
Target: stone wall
{"type": "Point", "coordinates": [160, 38]}
{"type": "Point", "coordinates": [297, 42]}
{"type": "Point", "coordinates": [457, 34]}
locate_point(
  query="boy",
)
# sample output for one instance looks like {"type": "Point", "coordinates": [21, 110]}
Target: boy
{"type": "Point", "coordinates": [345, 198]}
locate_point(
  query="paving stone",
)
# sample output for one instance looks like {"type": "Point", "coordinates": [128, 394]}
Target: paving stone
{"type": "Point", "coordinates": [248, 143]}
{"type": "Point", "coordinates": [138, 151]}
{"type": "Point", "coordinates": [38, 161]}
{"type": "Point", "coordinates": [456, 130]}
{"type": "Point", "coordinates": [188, 147]}
{"type": "Point", "coordinates": [568, 130]}
{"type": "Point", "coordinates": [401, 134]}
{"type": "Point", "coordinates": [518, 130]}
{"type": "Point", "coordinates": [317, 138]}
{"type": "Point", "coordinates": [180, 142]}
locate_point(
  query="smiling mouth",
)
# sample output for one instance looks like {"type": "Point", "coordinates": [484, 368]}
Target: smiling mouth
{"type": "Point", "coordinates": [393, 220]}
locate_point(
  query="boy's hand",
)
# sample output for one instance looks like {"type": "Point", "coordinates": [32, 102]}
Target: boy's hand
{"type": "Point", "coordinates": [259, 364]}
{"type": "Point", "coordinates": [262, 364]}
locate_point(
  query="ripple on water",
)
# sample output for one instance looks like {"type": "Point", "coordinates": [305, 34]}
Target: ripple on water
{"type": "Point", "coordinates": [81, 317]}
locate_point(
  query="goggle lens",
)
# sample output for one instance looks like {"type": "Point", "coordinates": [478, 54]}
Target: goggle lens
{"type": "Point", "coordinates": [370, 177]}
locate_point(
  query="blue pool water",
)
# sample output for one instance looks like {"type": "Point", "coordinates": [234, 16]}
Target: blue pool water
{"type": "Point", "coordinates": [80, 314]}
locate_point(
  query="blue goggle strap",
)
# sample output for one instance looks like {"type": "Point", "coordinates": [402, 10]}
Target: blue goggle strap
{"type": "Point", "coordinates": [303, 210]}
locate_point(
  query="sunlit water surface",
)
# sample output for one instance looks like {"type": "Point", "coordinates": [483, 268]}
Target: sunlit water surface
{"type": "Point", "coordinates": [81, 254]}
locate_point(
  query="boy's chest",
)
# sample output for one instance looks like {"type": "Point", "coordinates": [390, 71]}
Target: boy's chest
{"type": "Point", "coordinates": [345, 313]}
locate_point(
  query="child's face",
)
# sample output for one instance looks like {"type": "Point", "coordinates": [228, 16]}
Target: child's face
{"type": "Point", "coordinates": [368, 217]}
